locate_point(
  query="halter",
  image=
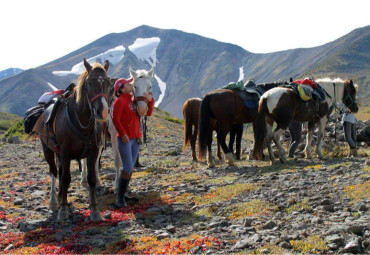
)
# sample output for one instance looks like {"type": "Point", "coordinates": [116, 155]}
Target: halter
{"type": "Point", "coordinates": [352, 101]}
{"type": "Point", "coordinates": [100, 81]}
{"type": "Point", "coordinates": [141, 98]}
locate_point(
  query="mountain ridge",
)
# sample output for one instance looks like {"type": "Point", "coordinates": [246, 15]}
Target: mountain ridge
{"type": "Point", "coordinates": [192, 65]}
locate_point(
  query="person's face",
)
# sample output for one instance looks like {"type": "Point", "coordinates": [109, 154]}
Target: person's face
{"type": "Point", "coordinates": [127, 88]}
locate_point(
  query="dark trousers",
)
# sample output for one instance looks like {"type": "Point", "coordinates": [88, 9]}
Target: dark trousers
{"type": "Point", "coordinates": [350, 134]}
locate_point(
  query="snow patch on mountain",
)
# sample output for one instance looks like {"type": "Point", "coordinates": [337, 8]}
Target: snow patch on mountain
{"type": "Point", "coordinates": [241, 73]}
{"type": "Point", "coordinates": [114, 56]}
{"type": "Point", "coordinates": [162, 86]}
{"type": "Point", "coordinates": [52, 86]}
{"type": "Point", "coordinates": [145, 49]}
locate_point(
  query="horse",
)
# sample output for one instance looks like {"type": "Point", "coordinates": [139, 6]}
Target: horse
{"type": "Point", "coordinates": [191, 111]}
{"type": "Point", "coordinates": [282, 105]}
{"type": "Point", "coordinates": [75, 133]}
{"type": "Point", "coordinates": [226, 108]}
{"type": "Point", "coordinates": [142, 83]}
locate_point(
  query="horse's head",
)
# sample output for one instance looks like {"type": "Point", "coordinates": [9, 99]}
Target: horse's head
{"type": "Point", "coordinates": [349, 96]}
{"type": "Point", "coordinates": [97, 85]}
{"type": "Point", "coordinates": [142, 84]}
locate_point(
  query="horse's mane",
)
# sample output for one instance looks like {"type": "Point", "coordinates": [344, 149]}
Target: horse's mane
{"type": "Point", "coordinates": [82, 78]}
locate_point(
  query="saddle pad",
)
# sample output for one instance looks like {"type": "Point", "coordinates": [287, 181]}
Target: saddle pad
{"type": "Point", "coordinates": [305, 92]}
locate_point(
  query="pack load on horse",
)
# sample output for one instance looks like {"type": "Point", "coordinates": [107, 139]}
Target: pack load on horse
{"type": "Point", "coordinates": [228, 106]}
{"type": "Point", "coordinates": [284, 104]}
{"type": "Point", "coordinates": [142, 83]}
{"type": "Point", "coordinates": [191, 111]}
{"type": "Point", "coordinates": [48, 98]}
{"type": "Point", "coordinates": [73, 130]}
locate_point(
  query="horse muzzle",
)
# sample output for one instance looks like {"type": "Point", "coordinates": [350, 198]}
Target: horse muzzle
{"type": "Point", "coordinates": [142, 108]}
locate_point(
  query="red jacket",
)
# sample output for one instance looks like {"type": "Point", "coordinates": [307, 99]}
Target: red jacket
{"type": "Point", "coordinates": [125, 118]}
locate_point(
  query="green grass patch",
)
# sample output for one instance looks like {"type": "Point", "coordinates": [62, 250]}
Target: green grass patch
{"type": "Point", "coordinates": [312, 244]}
{"type": "Point", "coordinates": [224, 193]}
{"type": "Point", "coordinates": [255, 207]}
{"type": "Point", "coordinates": [221, 180]}
{"type": "Point", "coordinates": [358, 192]}
{"type": "Point", "coordinates": [299, 206]}
{"type": "Point", "coordinates": [173, 119]}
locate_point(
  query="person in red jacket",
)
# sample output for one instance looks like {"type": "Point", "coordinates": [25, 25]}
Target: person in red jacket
{"type": "Point", "coordinates": [127, 124]}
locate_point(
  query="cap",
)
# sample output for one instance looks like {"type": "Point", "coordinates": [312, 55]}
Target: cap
{"type": "Point", "coordinates": [120, 82]}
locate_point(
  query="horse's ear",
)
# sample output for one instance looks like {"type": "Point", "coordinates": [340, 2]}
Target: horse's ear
{"type": "Point", "coordinates": [150, 73]}
{"type": "Point", "coordinates": [106, 65]}
{"type": "Point", "coordinates": [291, 79]}
{"type": "Point", "coordinates": [133, 73]}
{"type": "Point", "coordinates": [87, 65]}
{"type": "Point", "coordinates": [351, 83]}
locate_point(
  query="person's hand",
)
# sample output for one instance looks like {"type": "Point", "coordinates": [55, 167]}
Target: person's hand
{"type": "Point", "coordinates": [148, 96]}
{"type": "Point", "coordinates": [125, 138]}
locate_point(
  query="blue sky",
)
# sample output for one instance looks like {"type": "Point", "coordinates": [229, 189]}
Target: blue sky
{"type": "Point", "coordinates": [39, 31]}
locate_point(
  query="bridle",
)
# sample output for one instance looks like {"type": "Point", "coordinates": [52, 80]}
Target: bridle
{"type": "Point", "coordinates": [101, 81]}
{"type": "Point", "coordinates": [141, 98]}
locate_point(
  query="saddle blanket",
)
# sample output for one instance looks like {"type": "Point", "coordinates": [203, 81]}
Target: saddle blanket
{"type": "Point", "coordinates": [249, 93]}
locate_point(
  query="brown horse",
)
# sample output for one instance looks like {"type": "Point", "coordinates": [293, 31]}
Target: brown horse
{"type": "Point", "coordinates": [226, 108]}
{"type": "Point", "coordinates": [191, 111]}
{"type": "Point", "coordinates": [282, 105]}
{"type": "Point", "coordinates": [76, 133]}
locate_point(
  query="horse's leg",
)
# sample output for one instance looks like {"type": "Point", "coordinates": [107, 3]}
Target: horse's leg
{"type": "Point", "coordinates": [210, 161]}
{"type": "Point", "coordinates": [97, 167]}
{"type": "Point", "coordinates": [320, 137]}
{"type": "Point", "coordinates": [84, 174]}
{"type": "Point", "coordinates": [49, 156]}
{"type": "Point", "coordinates": [64, 181]}
{"type": "Point", "coordinates": [239, 135]}
{"type": "Point", "coordinates": [276, 137]}
{"type": "Point", "coordinates": [219, 156]}
{"type": "Point", "coordinates": [193, 140]}
{"type": "Point", "coordinates": [307, 149]}
{"type": "Point", "coordinates": [117, 159]}
{"type": "Point", "coordinates": [268, 142]}
{"type": "Point", "coordinates": [91, 179]}
{"type": "Point", "coordinates": [221, 136]}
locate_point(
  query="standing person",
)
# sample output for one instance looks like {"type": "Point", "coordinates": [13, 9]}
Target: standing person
{"type": "Point", "coordinates": [348, 121]}
{"type": "Point", "coordinates": [295, 129]}
{"type": "Point", "coordinates": [126, 121]}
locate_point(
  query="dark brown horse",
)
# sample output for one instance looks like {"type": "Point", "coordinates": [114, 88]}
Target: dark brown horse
{"type": "Point", "coordinates": [226, 108]}
{"type": "Point", "coordinates": [76, 133]}
{"type": "Point", "coordinates": [191, 111]}
{"type": "Point", "coordinates": [282, 105]}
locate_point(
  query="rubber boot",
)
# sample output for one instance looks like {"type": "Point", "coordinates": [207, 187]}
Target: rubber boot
{"type": "Point", "coordinates": [122, 188]}
{"type": "Point", "coordinates": [130, 198]}
{"type": "Point", "coordinates": [137, 163]}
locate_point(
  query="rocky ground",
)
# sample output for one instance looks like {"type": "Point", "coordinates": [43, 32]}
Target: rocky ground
{"type": "Point", "coordinates": [305, 206]}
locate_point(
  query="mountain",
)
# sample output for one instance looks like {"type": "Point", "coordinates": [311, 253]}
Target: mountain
{"type": "Point", "coordinates": [9, 72]}
{"type": "Point", "coordinates": [188, 65]}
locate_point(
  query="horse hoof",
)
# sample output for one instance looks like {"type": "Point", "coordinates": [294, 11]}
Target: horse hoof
{"type": "Point", "coordinates": [53, 206]}
{"type": "Point", "coordinates": [95, 215]}
{"type": "Point", "coordinates": [63, 214]}
{"type": "Point", "coordinates": [283, 161]}
{"type": "Point", "coordinates": [211, 165]}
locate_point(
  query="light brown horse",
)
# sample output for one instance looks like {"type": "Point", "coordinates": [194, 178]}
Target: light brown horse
{"type": "Point", "coordinates": [76, 133]}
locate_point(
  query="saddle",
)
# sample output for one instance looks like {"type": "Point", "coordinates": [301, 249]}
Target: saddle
{"type": "Point", "coordinates": [249, 93]}
{"type": "Point", "coordinates": [306, 93]}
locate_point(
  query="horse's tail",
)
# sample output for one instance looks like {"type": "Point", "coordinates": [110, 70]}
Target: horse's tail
{"type": "Point", "coordinates": [204, 126]}
{"type": "Point", "coordinates": [260, 130]}
{"type": "Point", "coordinates": [186, 111]}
